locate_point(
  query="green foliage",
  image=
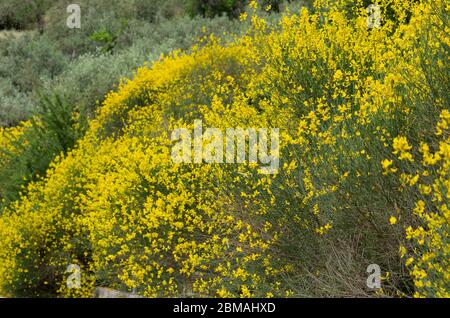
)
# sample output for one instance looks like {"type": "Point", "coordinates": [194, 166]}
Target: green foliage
{"type": "Point", "coordinates": [56, 117]}
{"type": "Point", "coordinates": [106, 25]}
{"type": "Point", "coordinates": [106, 40]}
{"type": "Point", "coordinates": [153, 11]}
{"type": "Point", "coordinates": [23, 14]}
{"type": "Point", "coordinates": [231, 8]}
{"type": "Point", "coordinates": [24, 60]}
{"type": "Point", "coordinates": [97, 18]}
{"type": "Point", "coordinates": [212, 8]}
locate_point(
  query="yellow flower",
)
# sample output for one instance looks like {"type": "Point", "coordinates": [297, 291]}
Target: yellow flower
{"type": "Point", "coordinates": [392, 220]}
{"type": "Point", "coordinates": [402, 251]}
{"type": "Point", "coordinates": [338, 75]}
{"type": "Point", "coordinates": [245, 292]}
{"type": "Point", "coordinates": [386, 164]}
{"type": "Point", "coordinates": [402, 147]}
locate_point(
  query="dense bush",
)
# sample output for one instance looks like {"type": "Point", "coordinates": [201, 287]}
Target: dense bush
{"type": "Point", "coordinates": [106, 25]}
{"type": "Point", "coordinates": [97, 18]}
{"type": "Point", "coordinates": [231, 8]}
{"type": "Point", "coordinates": [211, 8]}
{"type": "Point", "coordinates": [364, 176]}
{"type": "Point", "coordinates": [25, 61]}
{"type": "Point", "coordinates": [23, 14]}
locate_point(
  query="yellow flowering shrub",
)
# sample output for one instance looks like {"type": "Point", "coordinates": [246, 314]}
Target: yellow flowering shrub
{"type": "Point", "coordinates": [352, 104]}
{"type": "Point", "coordinates": [429, 257]}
